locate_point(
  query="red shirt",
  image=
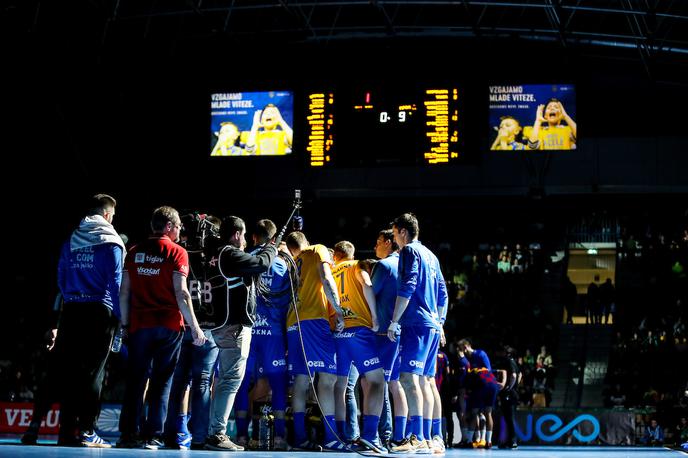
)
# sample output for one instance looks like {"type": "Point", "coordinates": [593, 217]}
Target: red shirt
{"type": "Point", "coordinates": [151, 266]}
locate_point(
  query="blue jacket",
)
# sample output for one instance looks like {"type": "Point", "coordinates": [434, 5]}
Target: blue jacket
{"type": "Point", "coordinates": [384, 281]}
{"type": "Point", "coordinates": [91, 274]}
{"type": "Point", "coordinates": [421, 281]}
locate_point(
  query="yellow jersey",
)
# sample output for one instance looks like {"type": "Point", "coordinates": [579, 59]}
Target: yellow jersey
{"type": "Point", "coordinates": [311, 301]}
{"type": "Point", "coordinates": [354, 305]}
{"type": "Point", "coordinates": [272, 143]}
{"type": "Point", "coordinates": [552, 138]}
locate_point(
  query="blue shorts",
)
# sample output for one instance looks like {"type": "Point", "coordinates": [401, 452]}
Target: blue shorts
{"type": "Point", "coordinates": [267, 353]}
{"type": "Point", "coordinates": [418, 350]}
{"type": "Point", "coordinates": [483, 397]}
{"type": "Point", "coordinates": [319, 345]}
{"type": "Point", "coordinates": [356, 345]}
{"type": "Point", "coordinates": [389, 356]}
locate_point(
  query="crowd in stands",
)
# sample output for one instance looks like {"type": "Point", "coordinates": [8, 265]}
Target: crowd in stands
{"type": "Point", "coordinates": [647, 367]}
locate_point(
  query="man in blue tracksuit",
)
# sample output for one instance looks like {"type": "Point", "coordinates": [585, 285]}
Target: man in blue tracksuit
{"type": "Point", "coordinates": [418, 312]}
{"type": "Point", "coordinates": [384, 279]}
{"type": "Point", "coordinates": [89, 275]}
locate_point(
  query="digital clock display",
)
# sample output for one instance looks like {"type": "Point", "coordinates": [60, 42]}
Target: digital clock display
{"type": "Point", "coordinates": [402, 126]}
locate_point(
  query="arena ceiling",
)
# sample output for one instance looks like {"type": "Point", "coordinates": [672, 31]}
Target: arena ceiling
{"type": "Point", "coordinates": [650, 31]}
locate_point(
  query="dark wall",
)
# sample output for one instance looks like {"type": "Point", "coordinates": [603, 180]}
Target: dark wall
{"type": "Point", "coordinates": [129, 115]}
{"type": "Point", "coordinates": [136, 116]}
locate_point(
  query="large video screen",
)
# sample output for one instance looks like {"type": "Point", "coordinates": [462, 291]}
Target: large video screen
{"type": "Point", "coordinates": [251, 123]}
{"type": "Point", "coordinates": [369, 126]}
{"type": "Point", "coordinates": [533, 117]}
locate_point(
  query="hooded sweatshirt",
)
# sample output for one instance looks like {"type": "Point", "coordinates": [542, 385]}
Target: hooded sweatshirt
{"type": "Point", "coordinates": [90, 266]}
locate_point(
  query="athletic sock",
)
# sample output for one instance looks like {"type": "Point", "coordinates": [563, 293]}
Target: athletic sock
{"type": "Point", "coordinates": [436, 427]}
{"type": "Point", "coordinates": [399, 428]}
{"type": "Point", "coordinates": [300, 427]}
{"type": "Point", "coordinates": [370, 423]}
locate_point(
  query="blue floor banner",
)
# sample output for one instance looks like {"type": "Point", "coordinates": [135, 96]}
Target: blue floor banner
{"type": "Point", "coordinates": [574, 427]}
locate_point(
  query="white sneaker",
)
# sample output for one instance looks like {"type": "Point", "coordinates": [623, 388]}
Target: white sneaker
{"type": "Point", "coordinates": [438, 444]}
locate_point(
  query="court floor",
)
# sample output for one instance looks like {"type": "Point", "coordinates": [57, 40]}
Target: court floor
{"type": "Point", "coordinates": [9, 447]}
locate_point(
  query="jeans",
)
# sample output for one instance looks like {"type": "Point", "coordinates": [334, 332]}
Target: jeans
{"type": "Point", "coordinates": [352, 429]}
{"type": "Point", "coordinates": [385, 427]}
{"type": "Point", "coordinates": [233, 342]}
{"type": "Point", "coordinates": [196, 366]}
{"type": "Point", "coordinates": [153, 351]}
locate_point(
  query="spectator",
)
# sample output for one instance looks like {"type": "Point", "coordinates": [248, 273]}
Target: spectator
{"type": "Point", "coordinates": [544, 359]}
{"type": "Point", "coordinates": [682, 431]}
{"type": "Point", "coordinates": [617, 398]}
{"type": "Point", "coordinates": [606, 297]}
{"type": "Point", "coordinates": [592, 303]}
{"type": "Point", "coordinates": [654, 434]}
{"type": "Point", "coordinates": [569, 295]}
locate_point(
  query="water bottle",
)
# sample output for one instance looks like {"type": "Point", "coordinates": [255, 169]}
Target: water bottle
{"type": "Point", "coordinates": [265, 429]}
{"type": "Point", "coordinates": [117, 341]}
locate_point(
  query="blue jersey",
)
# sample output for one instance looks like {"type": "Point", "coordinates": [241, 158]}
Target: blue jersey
{"type": "Point", "coordinates": [479, 359]}
{"type": "Point", "coordinates": [384, 281]}
{"type": "Point", "coordinates": [271, 314]}
{"type": "Point", "coordinates": [91, 274]}
{"type": "Point", "coordinates": [421, 281]}
{"type": "Point", "coordinates": [462, 370]}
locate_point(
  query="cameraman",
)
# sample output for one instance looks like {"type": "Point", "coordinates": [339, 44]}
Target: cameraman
{"type": "Point", "coordinates": [195, 365]}
{"type": "Point", "coordinates": [233, 275]}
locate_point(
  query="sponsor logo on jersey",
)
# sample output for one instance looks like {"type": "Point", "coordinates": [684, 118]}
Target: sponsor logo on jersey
{"type": "Point", "coordinates": [344, 335]}
{"type": "Point", "coordinates": [261, 321]}
{"type": "Point", "coordinates": [148, 271]}
{"type": "Point", "coordinates": [291, 328]}
{"type": "Point", "coordinates": [154, 259]}
{"type": "Point", "coordinates": [261, 332]}
{"type": "Point", "coordinates": [371, 361]}
{"type": "Point", "coordinates": [418, 364]}
{"type": "Point", "coordinates": [316, 364]}
{"type": "Point", "coordinates": [140, 258]}
{"type": "Point", "coordinates": [279, 362]}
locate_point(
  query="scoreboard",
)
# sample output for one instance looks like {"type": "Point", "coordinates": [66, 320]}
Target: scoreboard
{"type": "Point", "coordinates": [359, 124]}
{"type": "Point", "coordinates": [383, 126]}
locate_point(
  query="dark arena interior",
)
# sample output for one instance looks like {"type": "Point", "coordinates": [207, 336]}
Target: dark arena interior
{"type": "Point", "coordinates": [390, 107]}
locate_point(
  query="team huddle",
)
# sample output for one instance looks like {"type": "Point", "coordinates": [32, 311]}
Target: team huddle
{"type": "Point", "coordinates": [336, 315]}
{"type": "Point", "coordinates": [288, 311]}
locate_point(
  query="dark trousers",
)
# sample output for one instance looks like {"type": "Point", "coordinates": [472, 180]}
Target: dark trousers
{"type": "Point", "coordinates": [153, 353]}
{"type": "Point", "coordinates": [81, 349]}
{"type": "Point", "coordinates": [508, 402]}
